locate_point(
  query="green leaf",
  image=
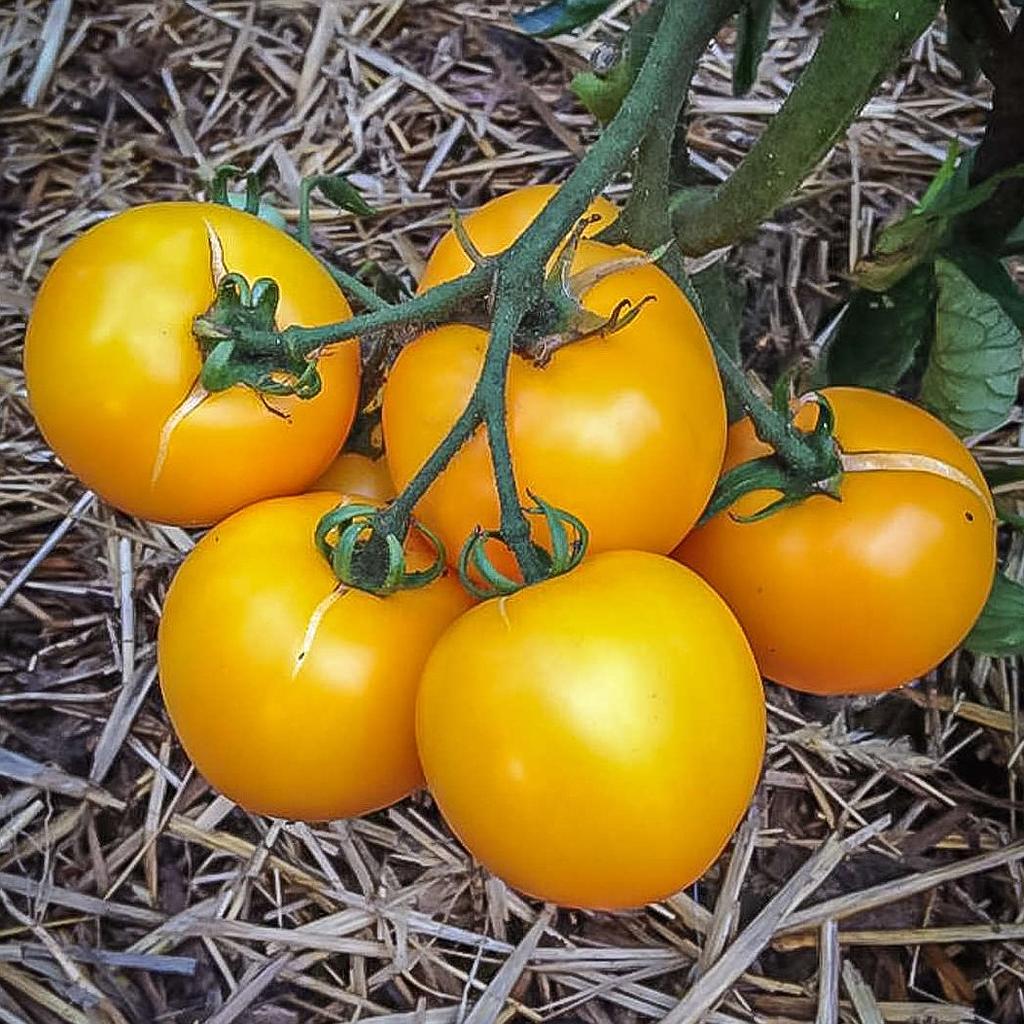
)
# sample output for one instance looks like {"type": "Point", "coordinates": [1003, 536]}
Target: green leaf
{"type": "Point", "coordinates": [722, 298]}
{"type": "Point", "coordinates": [975, 362]}
{"type": "Point", "coordinates": [996, 476]}
{"type": "Point", "coordinates": [560, 16]}
{"type": "Point", "coordinates": [752, 27]}
{"type": "Point", "coordinates": [1006, 510]}
{"type": "Point", "coordinates": [880, 332]}
{"type": "Point", "coordinates": [1000, 629]}
{"type": "Point", "coordinates": [919, 235]}
{"type": "Point", "coordinates": [989, 273]}
{"type": "Point", "coordinates": [603, 94]}
{"type": "Point", "coordinates": [338, 191]}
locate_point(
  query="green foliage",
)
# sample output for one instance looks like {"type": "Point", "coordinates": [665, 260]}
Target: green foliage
{"type": "Point", "coordinates": [1000, 629]}
{"type": "Point", "coordinates": [975, 362]}
{"type": "Point", "coordinates": [917, 237]}
{"type": "Point", "coordinates": [560, 16]}
{"type": "Point", "coordinates": [752, 27]}
{"type": "Point", "coordinates": [602, 94]}
{"type": "Point", "coordinates": [881, 332]}
{"type": "Point", "coordinates": [340, 192]}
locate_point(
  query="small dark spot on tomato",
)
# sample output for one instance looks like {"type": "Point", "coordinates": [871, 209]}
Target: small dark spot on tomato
{"type": "Point", "coordinates": [969, 516]}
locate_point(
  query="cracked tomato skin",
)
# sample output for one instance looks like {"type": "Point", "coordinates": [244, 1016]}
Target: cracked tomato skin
{"type": "Point", "coordinates": [867, 593]}
{"type": "Point", "coordinates": [110, 355]}
{"type": "Point", "coordinates": [594, 739]}
{"type": "Point", "coordinates": [497, 224]}
{"type": "Point", "coordinates": [311, 722]}
{"type": "Point", "coordinates": [625, 431]}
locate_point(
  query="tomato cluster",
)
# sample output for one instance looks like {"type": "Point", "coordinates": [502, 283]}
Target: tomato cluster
{"type": "Point", "coordinates": [593, 738]}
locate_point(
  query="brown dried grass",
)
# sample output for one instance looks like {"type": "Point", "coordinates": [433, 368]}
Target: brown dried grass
{"type": "Point", "coordinates": [878, 876]}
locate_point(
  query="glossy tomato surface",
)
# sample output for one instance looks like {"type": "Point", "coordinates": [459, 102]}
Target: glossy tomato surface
{"type": "Point", "coordinates": [110, 357]}
{"type": "Point", "coordinates": [497, 224]}
{"type": "Point", "coordinates": [294, 696]}
{"type": "Point", "coordinates": [867, 593]}
{"type": "Point", "coordinates": [626, 430]}
{"type": "Point", "coordinates": [594, 739]}
{"type": "Point", "coordinates": [352, 473]}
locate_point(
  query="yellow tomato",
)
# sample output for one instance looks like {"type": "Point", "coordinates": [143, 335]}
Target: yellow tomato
{"type": "Point", "coordinates": [869, 592]}
{"type": "Point", "coordinates": [626, 431]}
{"type": "Point", "coordinates": [594, 739]}
{"type": "Point", "coordinates": [352, 473]}
{"type": "Point", "coordinates": [496, 225]}
{"type": "Point", "coordinates": [295, 696]}
{"type": "Point", "coordinates": [110, 360]}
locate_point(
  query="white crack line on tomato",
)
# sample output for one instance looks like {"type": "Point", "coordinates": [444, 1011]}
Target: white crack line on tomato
{"type": "Point", "coordinates": [197, 394]}
{"type": "Point", "coordinates": [913, 462]}
{"type": "Point", "coordinates": [313, 625]}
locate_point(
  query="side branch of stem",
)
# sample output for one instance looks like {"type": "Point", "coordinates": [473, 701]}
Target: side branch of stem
{"type": "Point", "coordinates": [861, 44]}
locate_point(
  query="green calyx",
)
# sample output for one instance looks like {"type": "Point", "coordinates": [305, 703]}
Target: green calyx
{"type": "Point", "coordinates": [569, 539]}
{"type": "Point", "coordinates": [819, 471]}
{"type": "Point", "coordinates": [364, 555]}
{"type": "Point", "coordinates": [240, 311]}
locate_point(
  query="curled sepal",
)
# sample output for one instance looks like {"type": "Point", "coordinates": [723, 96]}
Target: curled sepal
{"type": "Point", "coordinates": [474, 555]}
{"type": "Point", "coordinates": [466, 244]}
{"type": "Point", "coordinates": [569, 538]}
{"type": "Point", "coordinates": [764, 474]}
{"type": "Point", "coordinates": [566, 551]}
{"type": "Point", "coordinates": [363, 556]}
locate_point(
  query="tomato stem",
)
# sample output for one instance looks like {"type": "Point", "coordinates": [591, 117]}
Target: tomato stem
{"type": "Point", "coordinates": [861, 42]}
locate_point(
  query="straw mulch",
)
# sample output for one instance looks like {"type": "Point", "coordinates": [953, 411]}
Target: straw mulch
{"type": "Point", "coordinates": [131, 892]}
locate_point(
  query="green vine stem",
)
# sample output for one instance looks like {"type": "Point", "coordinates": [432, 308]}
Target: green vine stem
{"type": "Point", "coordinates": [645, 221]}
{"type": "Point", "coordinates": [861, 43]}
{"type": "Point", "coordinates": [863, 39]}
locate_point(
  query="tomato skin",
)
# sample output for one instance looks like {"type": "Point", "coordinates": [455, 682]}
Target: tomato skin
{"type": "Point", "coordinates": [326, 735]}
{"type": "Point", "coordinates": [110, 355]}
{"type": "Point", "coordinates": [626, 431]}
{"type": "Point", "coordinates": [496, 225]}
{"type": "Point", "coordinates": [573, 737]}
{"type": "Point", "coordinates": [866, 594]}
{"type": "Point", "coordinates": [352, 473]}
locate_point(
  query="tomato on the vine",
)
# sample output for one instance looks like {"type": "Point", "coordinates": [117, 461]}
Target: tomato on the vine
{"type": "Point", "coordinates": [110, 361]}
{"type": "Point", "coordinates": [869, 592]}
{"type": "Point", "coordinates": [352, 473]}
{"type": "Point", "coordinates": [625, 430]}
{"type": "Point", "coordinates": [293, 695]}
{"type": "Point", "coordinates": [594, 739]}
{"type": "Point", "coordinates": [497, 224]}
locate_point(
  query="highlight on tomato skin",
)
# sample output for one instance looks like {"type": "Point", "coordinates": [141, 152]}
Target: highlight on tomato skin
{"type": "Point", "coordinates": [594, 739]}
{"type": "Point", "coordinates": [113, 385]}
{"type": "Point", "coordinates": [870, 592]}
{"type": "Point", "coordinates": [294, 696]}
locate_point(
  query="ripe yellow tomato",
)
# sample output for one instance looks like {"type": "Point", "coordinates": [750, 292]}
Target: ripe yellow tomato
{"type": "Point", "coordinates": [110, 357]}
{"type": "Point", "coordinates": [867, 593]}
{"type": "Point", "coordinates": [594, 739]}
{"type": "Point", "coordinates": [295, 696]}
{"type": "Point", "coordinates": [352, 473]}
{"type": "Point", "coordinates": [626, 431]}
{"type": "Point", "coordinates": [496, 225]}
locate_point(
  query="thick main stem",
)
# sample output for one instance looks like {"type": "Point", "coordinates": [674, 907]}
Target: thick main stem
{"type": "Point", "coordinates": [646, 221]}
{"type": "Point", "coordinates": [861, 43]}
